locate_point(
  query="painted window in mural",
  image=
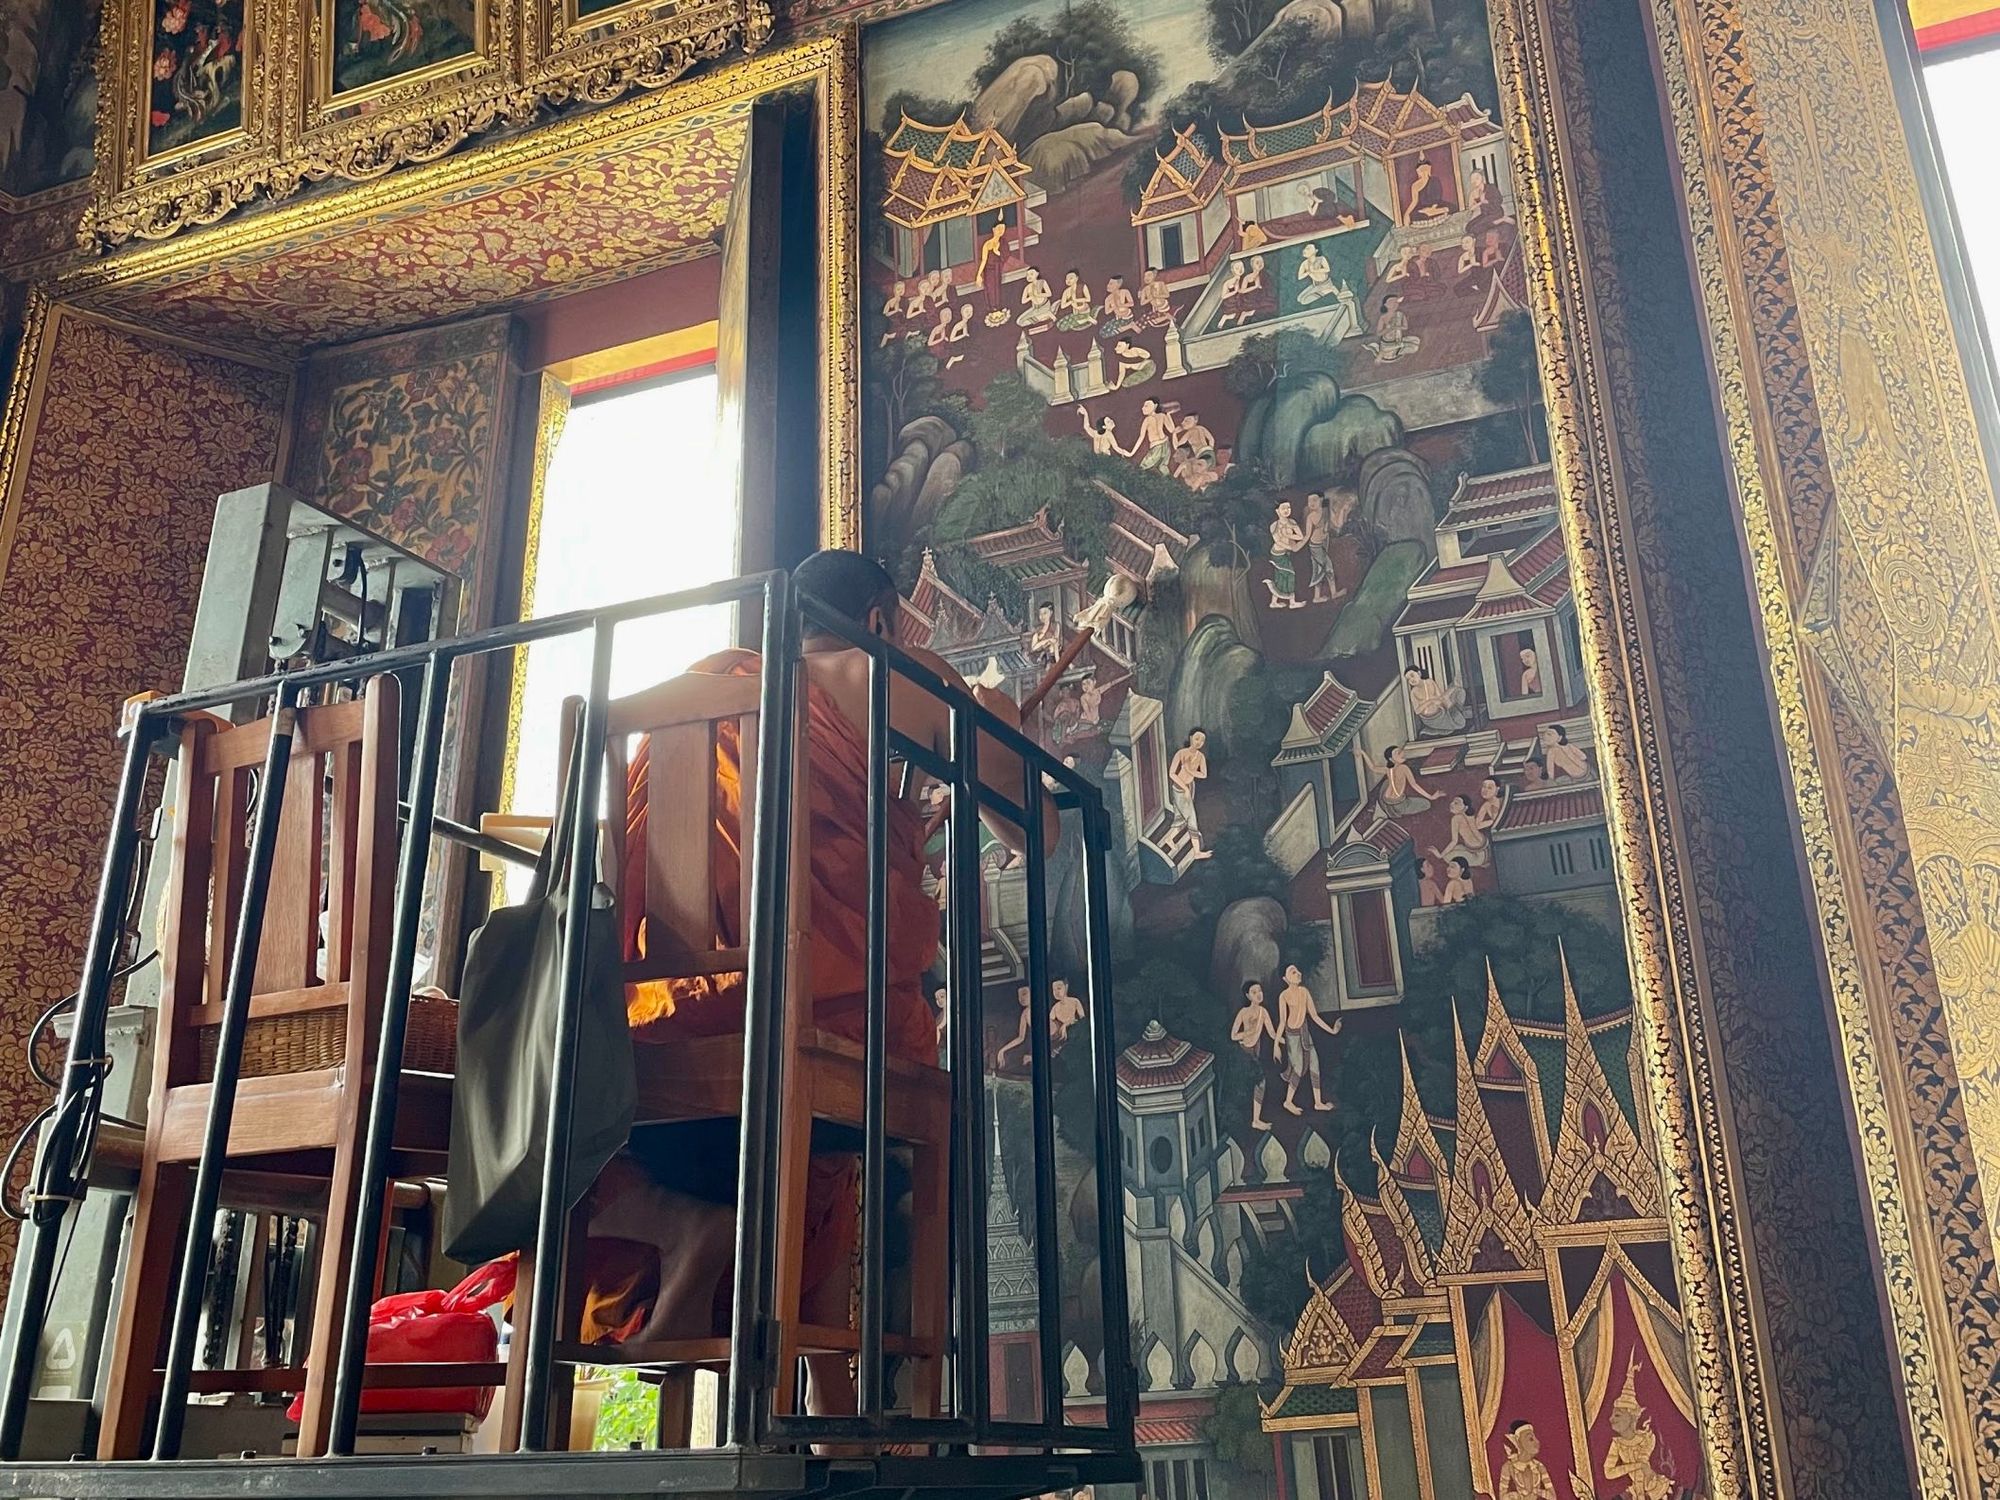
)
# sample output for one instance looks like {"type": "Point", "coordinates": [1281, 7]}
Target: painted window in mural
{"type": "Point", "coordinates": [378, 40]}
{"type": "Point", "coordinates": [1226, 297]}
{"type": "Point", "coordinates": [196, 72]}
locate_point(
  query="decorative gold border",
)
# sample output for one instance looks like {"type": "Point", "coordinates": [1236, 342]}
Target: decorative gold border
{"type": "Point", "coordinates": [551, 416]}
{"type": "Point", "coordinates": [322, 98]}
{"type": "Point", "coordinates": [23, 411]}
{"type": "Point", "coordinates": [1703, 49]}
{"type": "Point", "coordinates": [139, 194]}
{"type": "Point", "coordinates": [641, 44]}
{"type": "Point", "coordinates": [297, 130]}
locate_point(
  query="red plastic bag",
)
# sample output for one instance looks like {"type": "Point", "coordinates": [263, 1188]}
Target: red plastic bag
{"type": "Point", "coordinates": [434, 1327]}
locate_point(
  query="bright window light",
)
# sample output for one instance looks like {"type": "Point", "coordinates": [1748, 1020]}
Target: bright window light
{"type": "Point", "coordinates": [637, 502]}
{"type": "Point", "coordinates": [1965, 104]}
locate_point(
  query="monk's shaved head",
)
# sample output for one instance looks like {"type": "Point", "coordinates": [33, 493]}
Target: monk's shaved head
{"type": "Point", "coordinates": [849, 583]}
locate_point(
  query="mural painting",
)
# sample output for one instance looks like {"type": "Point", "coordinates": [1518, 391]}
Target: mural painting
{"type": "Point", "coordinates": [1225, 298]}
{"type": "Point", "coordinates": [375, 41]}
{"type": "Point", "coordinates": [196, 72]}
{"type": "Point", "coordinates": [48, 95]}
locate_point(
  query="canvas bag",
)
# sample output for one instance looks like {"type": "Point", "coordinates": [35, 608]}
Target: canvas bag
{"type": "Point", "coordinates": [507, 1012]}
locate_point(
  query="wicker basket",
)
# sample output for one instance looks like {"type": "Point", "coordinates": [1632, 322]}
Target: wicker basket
{"type": "Point", "coordinates": [317, 1039]}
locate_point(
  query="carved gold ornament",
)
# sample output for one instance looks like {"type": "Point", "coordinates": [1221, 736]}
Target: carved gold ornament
{"type": "Point", "coordinates": [299, 126]}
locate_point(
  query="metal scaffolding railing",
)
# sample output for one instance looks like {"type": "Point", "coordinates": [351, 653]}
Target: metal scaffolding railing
{"type": "Point", "coordinates": [749, 1425]}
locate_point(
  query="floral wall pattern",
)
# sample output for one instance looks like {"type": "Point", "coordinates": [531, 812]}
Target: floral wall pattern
{"type": "Point", "coordinates": [101, 549]}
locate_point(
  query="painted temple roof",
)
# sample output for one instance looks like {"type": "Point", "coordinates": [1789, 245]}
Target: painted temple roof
{"type": "Point", "coordinates": [1184, 180]}
{"type": "Point", "coordinates": [1159, 1060]}
{"type": "Point", "coordinates": [939, 172]}
{"type": "Point", "coordinates": [1512, 494]}
{"type": "Point", "coordinates": [1324, 723]}
{"type": "Point", "coordinates": [1447, 1204]}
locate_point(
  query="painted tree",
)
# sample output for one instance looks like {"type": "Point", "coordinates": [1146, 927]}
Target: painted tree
{"type": "Point", "coordinates": [1509, 376]}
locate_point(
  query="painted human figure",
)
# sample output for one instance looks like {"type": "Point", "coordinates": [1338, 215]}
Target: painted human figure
{"type": "Point", "coordinates": [1633, 1445]}
{"type": "Point", "coordinates": [1476, 193]}
{"type": "Point", "coordinates": [1065, 1010]}
{"type": "Point", "coordinates": [1401, 794]}
{"type": "Point", "coordinates": [1156, 300]}
{"type": "Point", "coordinates": [1426, 200]}
{"type": "Point", "coordinates": [1046, 643]}
{"type": "Point", "coordinates": [1253, 294]}
{"type": "Point", "coordinates": [1254, 235]}
{"type": "Point", "coordinates": [1037, 301]}
{"type": "Point", "coordinates": [1468, 840]}
{"type": "Point", "coordinates": [1135, 365]}
{"type": "Point", "coordinates": [1524, 1476]}
{"type": "Point", "coordinates": [1189, 765]}
{"type": "Point", "coordinates": [1531, 673]}
{"type": "Point", "coordinates": [1439, 707]}
{"type": "Point", "coordinates": [1251, 1026]}
{"type": "Point", "coordinates": [941, 1003]}
{"type": "Point", "coordinates": [1492, 803]}
{"type": "Point", "coordinates": [961, 328]}
{"type": "Point", "coordinates": [1288, 539]}
{"type": "Point", "coordinates": [1090, 698]}
{"type": "Point", "coordinates": [1405, 264]}
{"type": "Point", "coordinates": [893, 306]}
{"type": "Point", "coordinates": [1319, 536]}
{"type": "Point", "coordinates": [939, 335]}
{"type": "Point", "coordinates": [1020, 1038]}
{"type": "Point", "coordinates": [1430, 889]}
{"type": "Point", "coordinates": [1393, 338]}
{"type": "Point", "coordinates": [1295, 1012]}
{"type": "Point", "coordinates": [1103, 437]}
{"type": "Point", "coordinates": [992, 263]}
{"type": "Point", "coordinates": [1194, 441]}
{"type": "Point", "coordinates": [1154, 446]}
{"type": "Point", "coordinates": [1557, 758]}
{"type": "Point", "coordinates": [1232, 282]}
{"type": "Point", "coordinates": [1468, 255]}
{"type": "Point", "coordinates": [1316, 273]}
{"type": "Point", "coordinates": [1491, 251]}
{"type": "Point", "coordinates": [1075, 305]}
{"type": "Point", "coordinates": [1458, 881]}
{"type": "Point", "coordinates": [1117, 310]}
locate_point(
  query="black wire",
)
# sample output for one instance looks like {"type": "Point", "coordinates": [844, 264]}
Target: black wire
{"type": "Point", "coordinates": [47, 1018]}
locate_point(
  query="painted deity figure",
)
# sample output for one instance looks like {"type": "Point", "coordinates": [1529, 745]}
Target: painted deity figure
{"type": "Point", "coordinates": [1634, 1445]}
{"type": "Point", "coordinates": [1524, 1476]}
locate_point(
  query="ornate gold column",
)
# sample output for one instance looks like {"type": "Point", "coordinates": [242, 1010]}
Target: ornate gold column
{"type": "Point", "coordinates": [1868, 509]}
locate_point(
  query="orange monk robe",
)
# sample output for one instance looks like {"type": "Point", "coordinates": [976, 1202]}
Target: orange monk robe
{"type": "Point", "coordinates": [664, 1010]}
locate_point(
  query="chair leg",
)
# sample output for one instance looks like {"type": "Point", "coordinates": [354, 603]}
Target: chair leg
{"type": "Point", "coordinates": [569, 1321]}
{"type": "Point", "coordinates": [157, 1226]}
{"type": "Point", "coordinates": [675, 1427]}
{"type": "Point", "coordinates": [930, 1273]}
{"type": "Point", "coordinates": [339, 1260]}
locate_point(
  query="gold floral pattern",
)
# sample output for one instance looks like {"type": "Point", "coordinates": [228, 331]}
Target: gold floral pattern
{"type": "Point", "coordinates": [541, 231]}
{"type": "Point", "coordinates": [101, 548]}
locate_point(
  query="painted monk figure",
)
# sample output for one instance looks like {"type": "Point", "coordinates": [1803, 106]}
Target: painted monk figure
{"type": "Point", "coordinates": [662, 1220]}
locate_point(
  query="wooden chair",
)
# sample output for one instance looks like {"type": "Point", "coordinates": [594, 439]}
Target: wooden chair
{"type": "Point", "coordinates": [701, 1077]}
{"type": "Point", "coordinates": [315, 1019]}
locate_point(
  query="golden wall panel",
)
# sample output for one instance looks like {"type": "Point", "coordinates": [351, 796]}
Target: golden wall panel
{"type": "Point", "coordinates": [1867, 508]}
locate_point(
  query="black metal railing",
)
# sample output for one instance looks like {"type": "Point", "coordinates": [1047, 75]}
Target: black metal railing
{"type": "Point", "coordinates": [749, 1420]}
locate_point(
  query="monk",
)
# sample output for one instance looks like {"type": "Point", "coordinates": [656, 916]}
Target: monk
{"type": "Point", "coordinates": [662, 1227]}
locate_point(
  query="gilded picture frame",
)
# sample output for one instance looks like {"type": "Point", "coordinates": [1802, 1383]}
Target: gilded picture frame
{"type": "Point", "coordinates": [352, 89]}
{"type": "Point", "coordinates": [360, 126]}
{"type": "Point", "coordinates": [592, 51]}
{"type": "Point", "coordinates": [150, 180]}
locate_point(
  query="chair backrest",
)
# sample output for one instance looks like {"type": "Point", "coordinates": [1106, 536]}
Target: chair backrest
{"type": "Point", "coordinates": [682, 719]}
{"type": "Point", "coordinates": [326, 928]}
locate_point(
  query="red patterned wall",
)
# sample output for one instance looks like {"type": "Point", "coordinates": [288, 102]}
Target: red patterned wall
{"type": "Point", "coordinates": [101, 548]}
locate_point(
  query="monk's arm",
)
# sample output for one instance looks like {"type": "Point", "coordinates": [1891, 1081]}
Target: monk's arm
{"type": "Point", "coordinates": [1000, 770]}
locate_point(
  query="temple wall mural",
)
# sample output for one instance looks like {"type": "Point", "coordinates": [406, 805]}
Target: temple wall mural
{"type": "Point", "coordinates": [1228, 300]}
